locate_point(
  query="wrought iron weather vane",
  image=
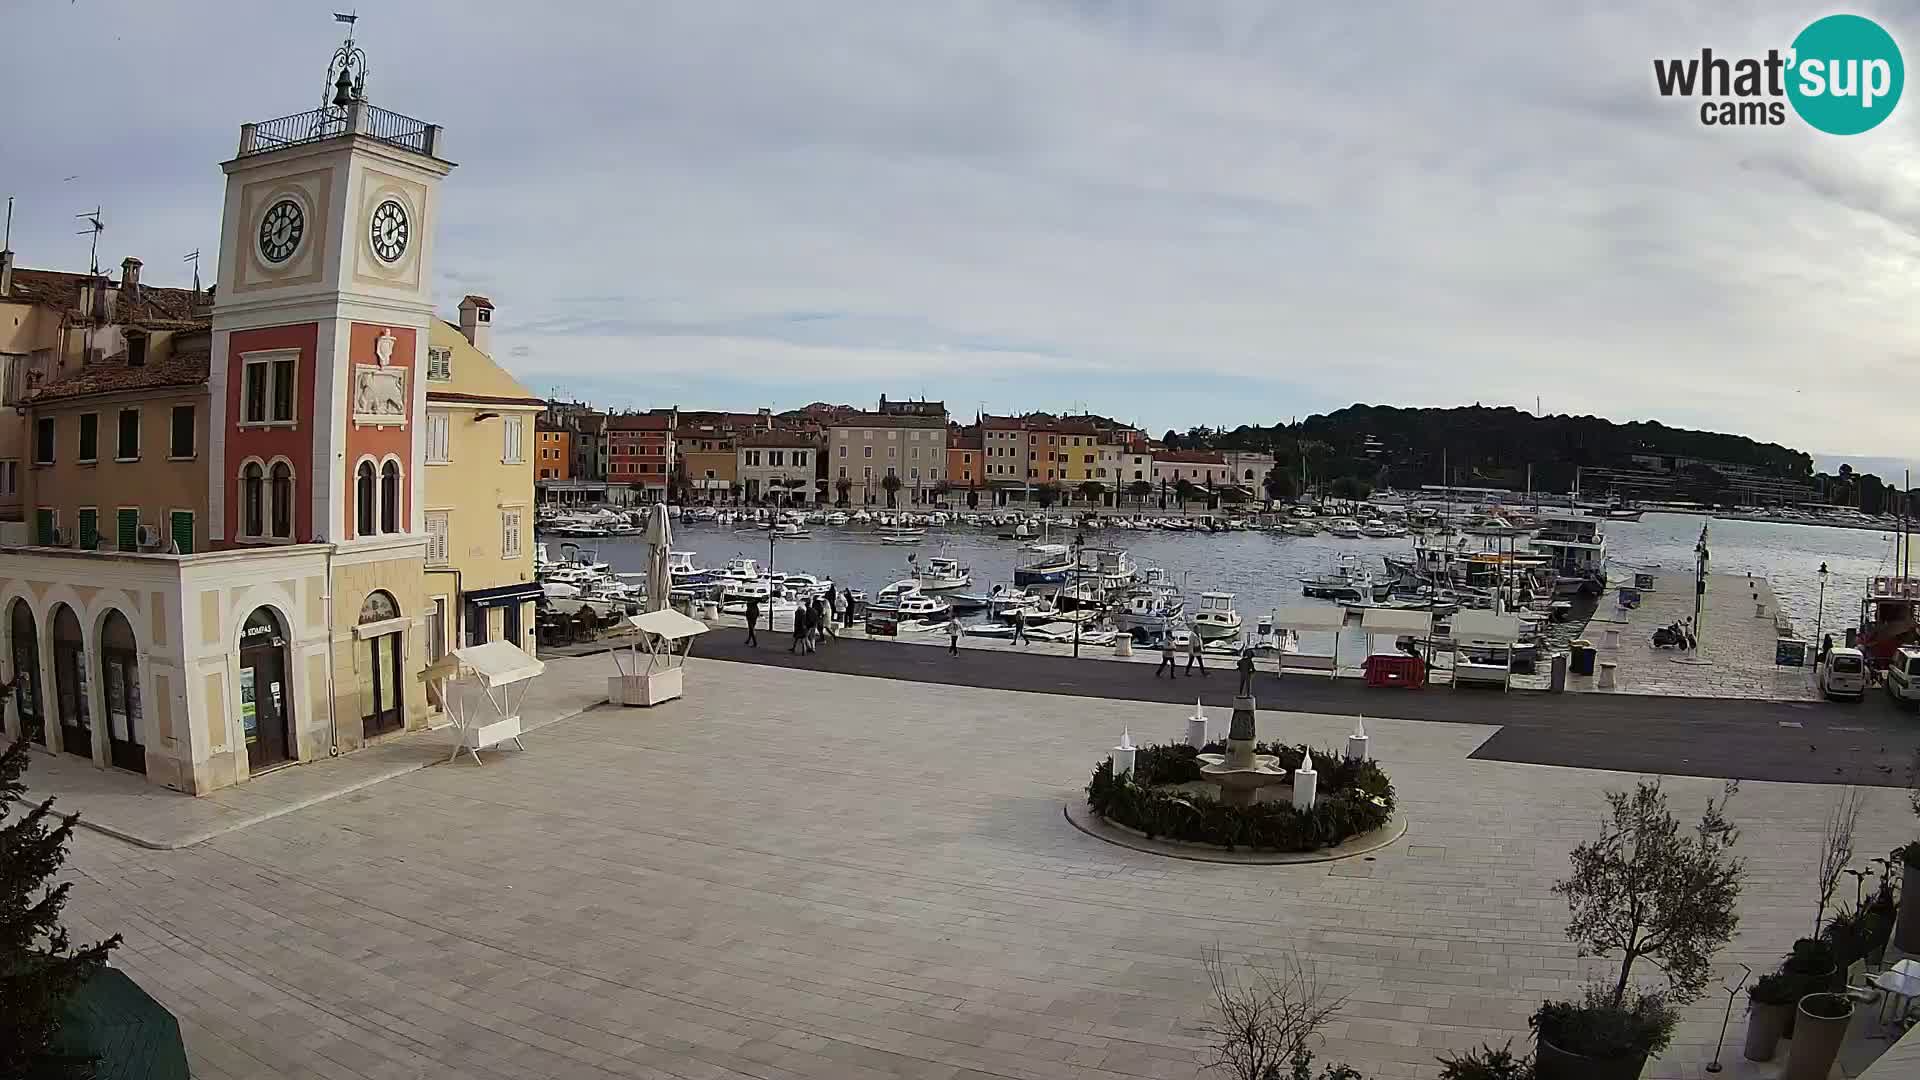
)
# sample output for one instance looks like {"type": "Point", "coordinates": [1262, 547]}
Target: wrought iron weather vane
{"type": "Point", "coordinates": [346, 72]}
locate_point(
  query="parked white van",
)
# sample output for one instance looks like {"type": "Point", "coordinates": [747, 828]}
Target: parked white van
{"type": "Point", "coordinates": [1844, 675]}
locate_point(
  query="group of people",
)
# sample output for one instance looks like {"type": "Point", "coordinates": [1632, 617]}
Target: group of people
{"type": "Point", "coordinates": [814, 621]}
{"type": "Point", "coordinates": [1168, 651]}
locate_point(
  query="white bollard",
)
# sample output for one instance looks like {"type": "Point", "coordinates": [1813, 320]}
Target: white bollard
{"type": "Point", "coordinates": [1357, 742]}
{"type": "Point", "coordinates": [1607, 670]}
{"type": "Point", "coordinates": [1305, 781]}
{"type": "Point", "coordinates": [1196, 731]}
{"type": "Point", "coordinates": [1123, 755]}
{"type": "Point", "coordinates": [1611, 639]}
{"type": "Point", "coordinates": [1123, 645]}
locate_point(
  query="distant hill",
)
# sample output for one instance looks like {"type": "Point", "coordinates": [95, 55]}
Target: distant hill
{"type": "Point", "coordinates": [1381, 445]}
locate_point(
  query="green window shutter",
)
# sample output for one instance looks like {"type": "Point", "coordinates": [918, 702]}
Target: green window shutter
{"type": "Point", "coordinates": [128, 529]}
{"type": "Point", "coordinates": [89, 529]}
{"type": "Point", "coordinates": [181, 524]}
{"type": "Point", "coordinates": [43, 526]}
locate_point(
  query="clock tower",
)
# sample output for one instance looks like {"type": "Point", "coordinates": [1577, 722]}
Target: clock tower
{"type": "Point", "coordinates": [320, 326]}
{"type": "Point", "coordinates": [317, 392]}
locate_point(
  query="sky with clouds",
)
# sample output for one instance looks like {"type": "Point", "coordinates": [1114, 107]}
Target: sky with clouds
{"type": "Point", "coordinates": [1173, 212]}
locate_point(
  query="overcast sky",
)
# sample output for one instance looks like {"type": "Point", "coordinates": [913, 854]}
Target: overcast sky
{"type": "Point", "coordinates": [1174, 212]}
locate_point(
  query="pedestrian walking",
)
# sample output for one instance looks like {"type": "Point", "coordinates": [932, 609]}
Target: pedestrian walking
{"type": "Point", "coordinates": [953, 635]}
{"type": "Point", "coordinates": [1020, 627]}
{"type": "Point", "coordinates": [849, 594]}
{"type": "Point", "coordinates": [799, 629]}
{"type": "Point", "coordinates": [833, 611]}
{"type": "Point", "coordinates": [1166, 658]}
{"type": "Point", "coordinates": [753, 620]}
{"type": "Point", "coordinates": [823, 619]}
{"type": "Point", "coordinates": [1193, 654]}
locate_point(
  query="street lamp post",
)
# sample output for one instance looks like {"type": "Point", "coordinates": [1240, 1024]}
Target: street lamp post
{"type": "Point", "coordinates": [1820, 621]}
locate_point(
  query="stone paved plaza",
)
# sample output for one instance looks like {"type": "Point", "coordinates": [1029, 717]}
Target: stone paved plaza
{"type": "Point", "coordinates": [798, 874]}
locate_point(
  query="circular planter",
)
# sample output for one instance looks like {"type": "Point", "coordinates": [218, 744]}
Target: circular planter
{"type": "Point", "coordinates": [1553, 1063]}
{"type": "Point", "coordinates": [1906, 932]}
{"type": "Point", "coordinates": [1816, 1042]}
{"type": "Point", "coordinates": [1812, 984]}
{"type": "Point", "coordinates": [1766, 1026]}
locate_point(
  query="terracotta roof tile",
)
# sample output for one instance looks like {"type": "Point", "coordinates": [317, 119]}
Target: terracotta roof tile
{"type": "Point", "coordinates": [480, 301]}
{"type": "Point", "coordinates": [185, 368]}
{"type": "Point", "coordinates": [146, 306]}
{"type": "Point", "coordinates": [883, 420]}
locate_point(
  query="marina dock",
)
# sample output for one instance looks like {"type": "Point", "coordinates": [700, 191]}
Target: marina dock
{"type": "Point", "coordinates": [1740, 621]}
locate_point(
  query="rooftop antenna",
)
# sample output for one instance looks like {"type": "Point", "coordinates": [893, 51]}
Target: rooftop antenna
{"type": "Point", "coordinates": [95, 226]}
{"type": "Point", "coordinates": [194, 258]}
{"type": "Point", "coordinates": [6, 242]}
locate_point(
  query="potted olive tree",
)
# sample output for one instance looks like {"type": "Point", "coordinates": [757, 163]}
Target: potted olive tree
{"type": "Point", "coordinates": [1646, 888]}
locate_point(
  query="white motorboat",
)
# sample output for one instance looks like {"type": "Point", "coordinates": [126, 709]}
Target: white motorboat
{"type": "Point", "coordinates": [744, 589]}
{"type": "Point", "coordinates": [1301, 527]}
{"type": "Point", "coordinates": [778, 607]}
{"type": "Point", "coordinates": [1346, 581]}
{"type": "Point", "coordinates": [918, 605]}
{"type": "Point", "coordinates": [1052, 566]}
{"type": "Point", "coordinates": [1576, 551]}
{"type": "Point", "coordinates": [1151, 612]}
{"type": "Point", "coordinates": [805, 586]}
{"type": "Point", "coordinates": [787, 530]}
{"type": "Point", "coordinates": [1345, 528]}
{"type": "Point", "coordinates": [941, 574]}
{"type": "Point", "coordinates": [739, 568]}
{"type": "Point", "coordinates": [838, 517]}
{"type": "Point", "coordinates": [681, 571]}
{"type": "Point", "coordinates": [900, 534]}
{"type": "Point", "coordinates": [891, 595]}
{"type": "Point", "coordinates": [1216, 619]}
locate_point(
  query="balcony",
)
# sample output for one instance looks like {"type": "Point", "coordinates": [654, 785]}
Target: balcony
{"type": "Point", "coordinates": [360, 118]}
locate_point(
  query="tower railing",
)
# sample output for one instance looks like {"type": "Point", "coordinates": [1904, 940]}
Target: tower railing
{"type": "Point", "coordinates": [360, 118]}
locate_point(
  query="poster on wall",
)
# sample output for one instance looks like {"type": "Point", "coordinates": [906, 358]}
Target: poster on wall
{"type": "Point", "coordinates": [249, 714]}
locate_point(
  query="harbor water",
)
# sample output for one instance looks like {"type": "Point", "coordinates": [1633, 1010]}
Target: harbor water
{"type": "Point", "coordinates": [1263, 569]}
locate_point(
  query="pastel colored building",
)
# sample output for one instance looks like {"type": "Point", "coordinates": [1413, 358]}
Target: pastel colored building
{"type": "Point", "coordinates": [866, 448]}
{"type": "Point", "coordinates": [779, 467]}
{"type": "Point", "coordinates": [301, 629]}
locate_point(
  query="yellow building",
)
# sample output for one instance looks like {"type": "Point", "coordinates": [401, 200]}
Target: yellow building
{"type": "Point", "coordinates": [479, 489]}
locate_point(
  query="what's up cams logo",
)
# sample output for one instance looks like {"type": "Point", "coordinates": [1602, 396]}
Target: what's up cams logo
{"type": "Point", "coordinates": [1842, 75]}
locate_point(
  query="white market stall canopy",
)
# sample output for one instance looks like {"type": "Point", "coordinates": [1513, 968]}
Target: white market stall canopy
{"type": "Point", "coordinates": [661, 680]}
{"type": "Point", "coordinates": [499, 668]}
{"type": "Point", "coordinates": [1486, 626]}
{"type": "Point", "coordinates": [666, 623]}
{"type": "Point", "coordinates": [1396, 621]}
{"type": "Point", "coordinates": [1327, 617]}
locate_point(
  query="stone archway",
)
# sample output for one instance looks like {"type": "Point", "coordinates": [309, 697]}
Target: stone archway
{"type": "Point", "coordinates": [70, 683]}
{"type": "Point", "coordinates": [120, 691]}
{"type": "Point", "coordinates": [29, 697]}
{"type": "Point", "coordinates": [386, 700]}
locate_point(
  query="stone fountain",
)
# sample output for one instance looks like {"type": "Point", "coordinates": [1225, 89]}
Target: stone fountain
{"type": "Point", "coordinates": [1240, 772]}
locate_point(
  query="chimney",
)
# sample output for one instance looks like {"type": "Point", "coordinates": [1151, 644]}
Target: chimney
{"type": "Point", "coordinates": [476, 322]}
{"type": "Point", "coordinates": [6, 273]}
{"type": "Point", "coordinates": [130, 274]}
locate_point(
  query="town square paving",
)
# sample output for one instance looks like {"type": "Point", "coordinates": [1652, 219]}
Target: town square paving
{"type": "Point", "coordinates": [793, 873]}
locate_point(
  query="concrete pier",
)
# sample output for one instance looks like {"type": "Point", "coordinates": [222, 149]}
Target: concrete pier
{"type": "Point", "coordinates": [1740, 620]}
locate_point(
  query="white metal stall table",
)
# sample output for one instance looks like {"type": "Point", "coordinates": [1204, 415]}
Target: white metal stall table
{"type": "Point", "coordinates": [661, 679]}
{"type": "Point", "coordinates": [1325, 618]}
{"type": "Point", "coordinates": [499, 669]}
{"type": "Point", "coordinates": [1483, 647]}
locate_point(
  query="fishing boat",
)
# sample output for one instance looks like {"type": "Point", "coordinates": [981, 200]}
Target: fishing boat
{"type": "Point", "coordinates": [681, 571]}
{"type": "Point", "coordinates": [891, 595]}
{"type": "Point", "coordinates": [787, 530]}
{"type": "Point", "coordinates": [1052, 566]}
{"type": "Point", "coordinates": [1216, 619]}
{"type": "Point", "coordinates": [1889, 617]}
{"type": "Point", "coordinates": [1301, 527]}
{"type": "Point", "coordinates": [804, 586]}
{"type": "Point", "coordinates": [941, 574]}
{"type": "Point", "coordinates": [1575, 548]}
{"type": "Point", "coordinates": [1149, 612]}
{"type": "Point", "coordinates": [918, 605]}
{"type": "Point", "coordinates": [739, 568]}
{"type": "Point", "coordinates": [1347, 581]}
{"type": "Point", "coordinates": [900, 534]}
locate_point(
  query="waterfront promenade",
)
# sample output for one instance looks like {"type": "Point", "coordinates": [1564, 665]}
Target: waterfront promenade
{"type": "Point", "coordinates": [800, 873]}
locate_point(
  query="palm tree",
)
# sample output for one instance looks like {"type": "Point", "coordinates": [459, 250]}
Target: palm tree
{"type": "Point", "coordinates": [891, 485]}
{"type": "Point", "coordinates": [842, 486]}
{"type": "Point", "coordinates": [1092, 490]}
{"type": "Point", "coordinates": [1184, 490]}
{"type": "Point", "coordinates": [1141, 491]}
{"type": "Point", "coordinates": [1046, 494]}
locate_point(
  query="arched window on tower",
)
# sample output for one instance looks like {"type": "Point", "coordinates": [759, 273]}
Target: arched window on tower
{"type": "Point", "coordinates": [282, 492]}
{"type": "Point", "coordinates": [363, 498]}
{"type": "Point", "coordinates": [390, 497]}
{"type": "Point", "coordinates": [252, 512]}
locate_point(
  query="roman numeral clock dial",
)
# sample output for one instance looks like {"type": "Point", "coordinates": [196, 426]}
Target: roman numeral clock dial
{"type": "Point", "coordinates": [388, 231]}
{"type": "Point", "coordinates": [280, 231]}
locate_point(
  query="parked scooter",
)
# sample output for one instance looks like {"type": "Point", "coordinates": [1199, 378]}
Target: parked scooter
{"type": "Point", "coordinates": [1675, 635]}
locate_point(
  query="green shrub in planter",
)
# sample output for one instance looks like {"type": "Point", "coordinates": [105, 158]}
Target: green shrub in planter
{"type": "Point", "coordinates": [1848, 932]}
{"type": "Point", "coordinates": [1486, 1063]}
{"type": "Point", "coordinates": [1356, 798]}
{"type": "Point", "coordinates": [1597, 1037]}
{"type": "Point", "coordinates": [1816, 962]}
{"type": "Point", "coordinates": [1770, 1003]}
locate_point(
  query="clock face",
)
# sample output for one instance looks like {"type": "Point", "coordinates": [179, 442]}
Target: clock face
{"type": "Point", "coordinates": [280, 231]}
{"type": "Point", "coordinates": [388, 231]}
